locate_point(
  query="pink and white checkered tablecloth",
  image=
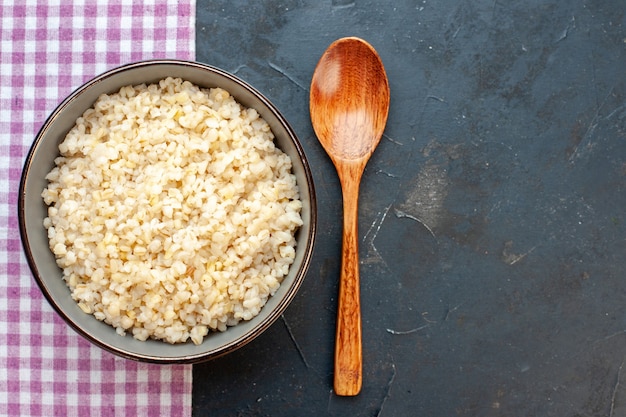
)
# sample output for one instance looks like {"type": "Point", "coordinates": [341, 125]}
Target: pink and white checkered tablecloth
{"type": "Point", "coordinates": [47, 49]}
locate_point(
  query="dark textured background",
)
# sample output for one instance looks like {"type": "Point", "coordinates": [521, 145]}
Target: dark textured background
{"type": "Point", "coordinates": [492, 215]}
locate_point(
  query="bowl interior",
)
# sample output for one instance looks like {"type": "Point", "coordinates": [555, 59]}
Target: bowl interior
{"type": "Point", "coordinates": [32, 212]}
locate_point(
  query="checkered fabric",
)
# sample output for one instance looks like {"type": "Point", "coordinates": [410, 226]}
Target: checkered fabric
{"type": "Point", "coordinates": [48, 48]}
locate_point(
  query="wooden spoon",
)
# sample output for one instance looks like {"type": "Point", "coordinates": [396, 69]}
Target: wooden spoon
{"type": "Point", "coordinates": [349, 104]}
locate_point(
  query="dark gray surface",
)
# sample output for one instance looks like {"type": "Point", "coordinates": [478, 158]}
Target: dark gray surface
{"type": "Point", "coordinates": [492, 215]}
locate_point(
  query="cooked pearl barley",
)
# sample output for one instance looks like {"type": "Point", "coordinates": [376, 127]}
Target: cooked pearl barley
{"type": "Point", "coordinates": [171, 212]}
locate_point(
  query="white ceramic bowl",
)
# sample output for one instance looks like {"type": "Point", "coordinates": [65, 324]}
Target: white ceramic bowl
{"type": "Point", "coordinates": [32, 211]}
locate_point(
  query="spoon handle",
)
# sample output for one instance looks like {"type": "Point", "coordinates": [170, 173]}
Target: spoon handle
{"type": "Point", "coordinates": [348, 356]}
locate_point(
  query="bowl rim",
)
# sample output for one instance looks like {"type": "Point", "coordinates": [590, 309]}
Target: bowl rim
{"type": "Point", "coordinates": [246, 337]}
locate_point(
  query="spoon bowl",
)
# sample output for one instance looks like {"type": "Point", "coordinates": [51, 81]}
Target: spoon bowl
{"type": "Point", "coordinates": [349, 104]}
